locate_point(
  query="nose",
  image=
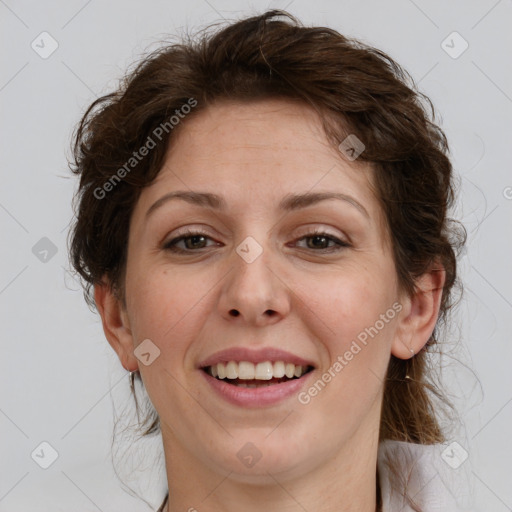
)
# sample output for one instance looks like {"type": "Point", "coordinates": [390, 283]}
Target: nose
{"type": "Point", "coordinates": [254, 291]}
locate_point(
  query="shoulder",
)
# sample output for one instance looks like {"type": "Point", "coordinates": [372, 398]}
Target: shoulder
{"type": "Point", "coordinates": [416, 476]}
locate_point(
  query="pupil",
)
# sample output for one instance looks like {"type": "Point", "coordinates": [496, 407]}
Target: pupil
{"type": "Point", "coordinates": [194, 239]}
{"type": "Point", "coordinates": [317, 238]}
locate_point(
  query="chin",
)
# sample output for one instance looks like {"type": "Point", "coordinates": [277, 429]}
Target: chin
{"type": "Point", "coordinates": [261, 463]}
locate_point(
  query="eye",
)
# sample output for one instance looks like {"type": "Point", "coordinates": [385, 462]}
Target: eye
{"type": "Point", "coordinates": [319, 239]}
{"type": "Point", "coordinates": [192, 239]}
{"type": "Point", "coordinates": [195, 240]}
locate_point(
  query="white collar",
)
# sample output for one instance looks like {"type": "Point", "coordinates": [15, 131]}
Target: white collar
{"type": "Point", "coordinates": [414, 477]}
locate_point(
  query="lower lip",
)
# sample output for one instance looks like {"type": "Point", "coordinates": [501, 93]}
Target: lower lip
{"type": "Point", "coordinates": [257, 397]}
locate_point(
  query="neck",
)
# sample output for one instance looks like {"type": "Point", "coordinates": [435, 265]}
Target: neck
{"type": "Point", "coordinates": [345, 482]}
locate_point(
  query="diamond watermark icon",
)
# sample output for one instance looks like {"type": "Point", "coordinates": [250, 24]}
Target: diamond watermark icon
{"type": "Point", "coordinates": [352, 147]}
{"type": "Point", "coordinates": [454, 45]}
{"type": "Point", "coordinates": [454, 455]}
{"type": "Point", "coordinates": [44, 250]}
{"type": "Point", "coordinates": [44, 45]}
{"type": "Point", "coordinates": [249, 455]}
{"type": "Point", "coordinates": [146, 352]}
{"type": "Point", "coordinates": [44, 455]}
{"type": "Point", "coordinates": [249, 249]}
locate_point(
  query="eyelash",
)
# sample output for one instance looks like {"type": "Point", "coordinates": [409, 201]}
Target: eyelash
{"type": "Point", "coordinates": [171, 244]}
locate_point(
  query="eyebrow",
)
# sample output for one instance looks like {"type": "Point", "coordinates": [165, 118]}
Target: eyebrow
{"type": "Point", "coordinates": [290, 202]}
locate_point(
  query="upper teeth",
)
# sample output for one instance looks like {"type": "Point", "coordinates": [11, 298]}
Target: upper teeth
{"type": "Point", "coordinates": [261, 371]}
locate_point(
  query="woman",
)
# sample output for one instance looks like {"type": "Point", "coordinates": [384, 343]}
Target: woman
{"type": "Point", "coordinates": [262, 226]}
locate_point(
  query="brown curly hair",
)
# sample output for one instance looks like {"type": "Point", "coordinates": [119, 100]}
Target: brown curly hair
{"type": "Point", "coordinates": [356, 88]}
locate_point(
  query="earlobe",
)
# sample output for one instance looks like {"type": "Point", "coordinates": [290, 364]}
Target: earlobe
{"type": "Point", "coordinates": [419, 314]}
{"type": "Point", "coordinates": [116, 325]}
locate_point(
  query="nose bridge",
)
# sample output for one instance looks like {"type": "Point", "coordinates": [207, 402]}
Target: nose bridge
{"type": "Point", "coordinates": [253, 252]}
{"type": "Point", "coordinates": [252, 290]}
{"type": "Point", "coordinates": [252, 268]}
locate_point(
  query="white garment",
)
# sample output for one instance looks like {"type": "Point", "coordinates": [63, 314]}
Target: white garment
{"type": "Point", "coordinates": [416, 477]}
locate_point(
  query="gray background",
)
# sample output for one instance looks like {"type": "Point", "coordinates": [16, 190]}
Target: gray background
{"type": "Point", "coordinates": [60, 379]}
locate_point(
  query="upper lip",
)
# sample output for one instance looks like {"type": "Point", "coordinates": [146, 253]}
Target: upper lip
{"type": "Point", "coordinates": [254, 356]}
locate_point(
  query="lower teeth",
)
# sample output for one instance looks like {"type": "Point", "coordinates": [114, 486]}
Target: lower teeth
{"type": "Point", "coordinates": [244, 385]}
{"type": "Point", "coordinates": [252, 384]}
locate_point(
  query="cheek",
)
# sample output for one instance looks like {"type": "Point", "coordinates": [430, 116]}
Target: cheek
{"type": "Point", "coordinates": [161, 303]}
{"type": "Point", "coordinates": [352, 299]}
{"type": "Point", "coordinates": [351, 314]}
{"type": "Point", "coordinates": [355, 333]}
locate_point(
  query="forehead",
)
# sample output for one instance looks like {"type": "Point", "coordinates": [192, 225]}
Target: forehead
{"type": "Point", "coordinates": [268, 145]}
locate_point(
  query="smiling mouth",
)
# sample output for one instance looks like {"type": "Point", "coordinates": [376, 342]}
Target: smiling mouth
{"type": "Point", "coordinates": [248, 375]}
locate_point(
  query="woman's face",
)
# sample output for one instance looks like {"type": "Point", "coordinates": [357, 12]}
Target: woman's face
{"type": "Point", "coordinates": [256, 278]}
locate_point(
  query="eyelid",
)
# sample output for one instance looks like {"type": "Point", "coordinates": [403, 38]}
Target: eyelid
{"type": "Point", "coordinates": [324, 229]}
{"type": "Point", "coordinates": [202, 230]}
{"type": "Point", "coordinates": [190, 228]}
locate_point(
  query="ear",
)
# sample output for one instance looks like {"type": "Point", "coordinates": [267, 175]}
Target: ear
{"type": "Point", "coordinates": [116, 324]}
{"type": "Point", "coordinates": [419, 314]}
